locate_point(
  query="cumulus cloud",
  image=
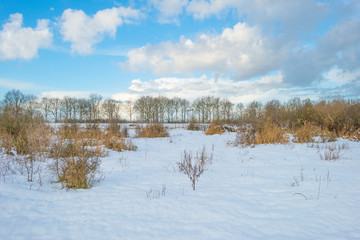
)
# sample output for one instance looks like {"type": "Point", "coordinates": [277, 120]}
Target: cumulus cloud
{"type": "Point", "coordinates": [169, 10]}
{"type": "Point", "coordinates": [84, 31]}
{"type": "Point", "coordinates": [294, 15]}
{"type": "Point", "coordinates": [241, 51]}
{"type": "Point", "coordinates": [190, 88]}
{"type": "Point", "coordinates": [340, 76]}
{"type": "Point", "coordinates": [62, 94]}
{"type": "Point", "coordinates": [266, 10]}
{"type": "Point", "coordinates": [18, 42]}
{"type": "Point", "coordinates": [12, 84]}
{"type": "Point", "coordinates": [340, 46]}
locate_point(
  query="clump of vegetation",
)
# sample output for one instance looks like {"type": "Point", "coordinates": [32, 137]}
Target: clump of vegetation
{"type": "Point", "coordinates": [332, 151]}
{"type": "Point", "coordinates": [76, 163]}
{"type": "Point", "coordinates": [151, 131]}
{"type": "Point", "coordinates": [119, 144]}
{"type": "Point", "coordinates": [307, 132]}
{"type": "Point", "coordinates": [114, 129]}
{"type": "Point", "coordinates": [214, 128]}
{"type": "Point", "coordinates": [194, 165]}
{"type": "Point", "coordinates": [193, 125]}
{"type": "Point", "coordinates": [270, 133]}
{"type": "Point", "coordinates": [245, 136]}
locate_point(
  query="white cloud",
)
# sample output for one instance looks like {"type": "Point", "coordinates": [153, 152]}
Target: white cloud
{"type": "Point", "coordinates": [340, 76]}
{"type": "Point", "coordinates": [201, 9]}
{"type": "Point", "coordinates": [191, 88]}
{"type": "Point", "coordinates": [12, 84]}
{"type": "Point", "coordinates": [17, 42]}
{"type": "Point", "coordinates": [62, 94]}
{"type": "Point", "coordinates": [292, 14]}
{"type": "Point", "coordinates": [169, 9]}
{"type": "Point", "coordinates": [339, 46]}
{"type": "Point", "coordinates": [241, 51]}
{"type": "Point", "coordinates": [84, 31]}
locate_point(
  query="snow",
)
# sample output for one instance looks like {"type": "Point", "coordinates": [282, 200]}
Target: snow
{"type": "Point", "coordinates": [265, 192]}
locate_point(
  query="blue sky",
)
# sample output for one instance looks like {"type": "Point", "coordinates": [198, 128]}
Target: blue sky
{"type": "Point", "coordinates": [237, 49]}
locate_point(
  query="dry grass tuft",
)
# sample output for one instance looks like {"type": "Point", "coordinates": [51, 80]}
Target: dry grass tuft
{"type": "Point", "coordinates": [307, 132]}
{"type": "Point", "coordinates": [76, 163]}
{"type": "Point", "coordinates": [214, 128]}
{"type": "Point", "coordinates": [119, 144]}
{"type": "Point", "coordinates": [271, 133]}
{"type": "Point", "coordinates": [193, 125]}
{"type": "Point", "coordinates": [247, 135]}
{"type": "Point", "coordinates": [151, 131]}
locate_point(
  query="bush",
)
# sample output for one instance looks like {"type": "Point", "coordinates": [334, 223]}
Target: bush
{"type": "Point", "coordinates": [151, 131]}
{"type": "Point", "coordinates": [119, 144]}
{"type": "Point", "coordinates": [214, 128]}
{"type": "Point", "coordinates": [245, 136]}
{"type": "Point", "coordinates": [307, 132]}
{"type": "Point", "coordinates": [75, 164]}
{"type": "Point", "coordinates": [114, 129]}
{"type": "Point", "coordinates": [193, 126]}
{"type": "Point", "coordinates": [194, 166]}
{"type": "Point", "coordinates": [271, 133]}
{"type": "Point", "coordinates": [79, 172]}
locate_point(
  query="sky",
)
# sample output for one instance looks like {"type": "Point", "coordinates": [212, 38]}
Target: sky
{"type": "Point", "coordinates": [242, 50]}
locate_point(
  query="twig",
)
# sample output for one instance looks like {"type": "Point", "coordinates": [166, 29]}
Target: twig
{"type": "Point", "coordinates": [301, 195]}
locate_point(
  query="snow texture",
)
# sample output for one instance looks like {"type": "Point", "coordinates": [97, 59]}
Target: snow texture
{"type": "Point", "coordinates": [266, 192]}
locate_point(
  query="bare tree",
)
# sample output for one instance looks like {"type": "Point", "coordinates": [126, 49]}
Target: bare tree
{"type": "Point", "coordinates": [14, 101]}
{"type": "Point", "coordinates": [84, 109]}
{"type": "Point", "coordinates": [129, 108]}
{"type": "Point", "coordinates": [184, 107]}
{"type": "Point", "coordinates": [253, 110]}
{"type": "Point", "coordinates": [239, 110]}
{"type": "Point", "coordinates": [111, 109]}
{"type": "Point", "coordinates": [226, 109]}
{"type": "Point", "coordinates": [94, 104]}
{"type": "Point", "coordinates": [45, 106]}
{"type": "Point", "coordinates": [54, 108]}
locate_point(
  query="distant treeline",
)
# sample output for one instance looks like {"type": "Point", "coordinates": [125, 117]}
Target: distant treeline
{"type": "Point", "coordinates": [335, 115]}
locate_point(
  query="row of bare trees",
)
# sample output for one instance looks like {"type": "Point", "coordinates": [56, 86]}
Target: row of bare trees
{"type": "Point", "coordinates": [335, 115]}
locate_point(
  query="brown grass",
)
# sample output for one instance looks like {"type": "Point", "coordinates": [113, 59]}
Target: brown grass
{"type": "Point", "coordinates": [271, 133]}
{"type": "Point", "coordinates": [76, 163]}
{"type": "Point", "coordinates": [214, 128]}
{"type": "Point", "coordinates": [305, 133]}
{"type": "Point", "coordinates": [193, 125]}
{"type": "Point", "coordinates": [151, 131]}
{"type": "Point", "coordinates": [248, 135]}
{"type": "Point", "coordinates": [332, 152]}
{"type": "Point", "coordinates": [113, 137]}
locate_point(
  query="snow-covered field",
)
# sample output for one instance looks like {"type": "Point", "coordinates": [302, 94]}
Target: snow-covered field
{"type": "Point", "coordinates": [265, 192]}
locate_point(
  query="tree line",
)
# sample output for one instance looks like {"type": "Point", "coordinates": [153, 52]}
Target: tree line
{"type": "Point", "coordinates": [334, 115]}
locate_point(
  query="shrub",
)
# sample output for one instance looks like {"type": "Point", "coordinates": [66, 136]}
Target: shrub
{"type": "Point", "coordinates": [194, 166]}
{"type": "Point", "coordinates": [214, 128]}
{"type": "Point", "coordinates": [79, 172]}
{"type": "Point", "coordinates": [193, 126]}
{"type": "Point", "coordinates": [119, 144]}
{"type": "Point", "coordinates": [306, 132]}
{"type": "Point", "coordinates": [75, 163]}
{"type": "Point", "coordinates": [114, 129]}
{"type": "Point", "coordinates": [271, 133]}
{"type": "Point", "coordinates": [151, 131]}
{"type": "Point", "coordinates": [245, 136]}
